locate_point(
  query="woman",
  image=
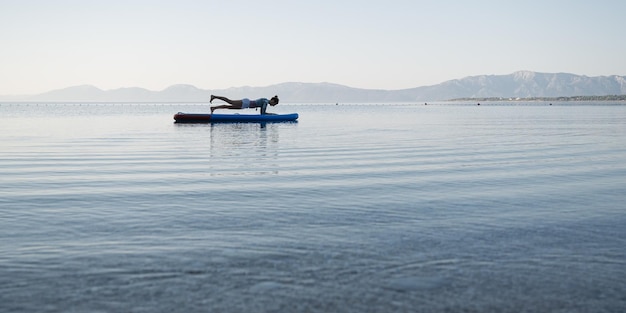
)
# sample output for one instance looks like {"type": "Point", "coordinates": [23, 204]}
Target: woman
{"type": "Point", "coordinates": [244, 103]}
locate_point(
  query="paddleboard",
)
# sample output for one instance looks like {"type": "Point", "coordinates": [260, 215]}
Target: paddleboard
{"type": "Point", "coordinates": [181, 117]}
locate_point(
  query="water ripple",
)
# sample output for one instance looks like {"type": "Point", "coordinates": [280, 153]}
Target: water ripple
{"type": "Point", "coordinates": [442, 208]}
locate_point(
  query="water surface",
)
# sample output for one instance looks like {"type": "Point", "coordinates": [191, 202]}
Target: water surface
{"type": "Point", "coordinates": [491, 208]}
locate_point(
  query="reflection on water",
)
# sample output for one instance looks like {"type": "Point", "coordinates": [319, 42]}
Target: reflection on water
{"type": "Point", "coordinates": [239, 146]}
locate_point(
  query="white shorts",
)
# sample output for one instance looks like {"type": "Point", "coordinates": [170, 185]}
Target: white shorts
{"type": "Point", "coordinates": [245, 103]}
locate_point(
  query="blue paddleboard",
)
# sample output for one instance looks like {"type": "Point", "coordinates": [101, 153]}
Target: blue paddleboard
{"type": "Point", "coordinates": [181, 117]}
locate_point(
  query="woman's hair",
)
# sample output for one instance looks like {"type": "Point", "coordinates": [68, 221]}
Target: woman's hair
{"type": "Point", "coordinates": [275, 98]}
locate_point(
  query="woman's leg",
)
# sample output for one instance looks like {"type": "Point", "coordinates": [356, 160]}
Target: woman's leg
{"type": "Point", "coordinates": [233, 102]}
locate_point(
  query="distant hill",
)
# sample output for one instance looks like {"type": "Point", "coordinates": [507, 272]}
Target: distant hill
{"type": "Point", "coordinates": [522, 84]}
{"type": "Point", "coordinates": [525, 84]}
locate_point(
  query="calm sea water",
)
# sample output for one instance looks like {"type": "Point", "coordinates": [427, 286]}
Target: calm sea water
{"type": "Point", "coordinates": [394, 208]}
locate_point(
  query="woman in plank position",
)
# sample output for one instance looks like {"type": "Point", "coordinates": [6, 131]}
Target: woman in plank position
{"type": "Point", "coordinates": [244, 103]}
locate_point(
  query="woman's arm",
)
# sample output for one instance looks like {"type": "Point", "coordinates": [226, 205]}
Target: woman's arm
{"type": "Point", "coordinates": [264, 109]}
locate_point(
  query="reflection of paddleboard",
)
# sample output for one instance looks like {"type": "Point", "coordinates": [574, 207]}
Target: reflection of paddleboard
{"type": "Point", "coordinates": [181, 117]}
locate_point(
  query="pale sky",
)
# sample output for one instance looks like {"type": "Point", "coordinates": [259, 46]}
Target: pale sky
{"type": "Point", "coordinates": [387, 44]}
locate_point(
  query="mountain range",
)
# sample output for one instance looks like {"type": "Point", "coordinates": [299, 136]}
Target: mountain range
{"type": "Point", "coordinates": [521, 84]}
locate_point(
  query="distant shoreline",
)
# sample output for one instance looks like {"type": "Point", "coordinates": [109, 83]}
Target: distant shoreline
{"type": "Point", "coordinates": [573, 98]}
